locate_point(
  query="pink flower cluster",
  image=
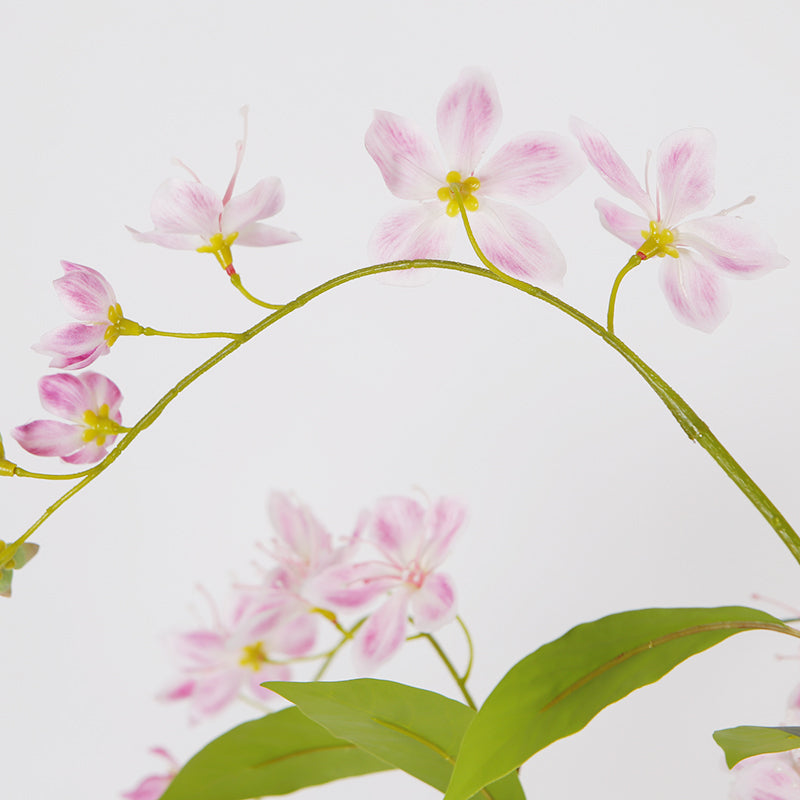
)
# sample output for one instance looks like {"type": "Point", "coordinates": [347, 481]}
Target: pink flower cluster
{"type": "Point", "coordinates": [315, 580]}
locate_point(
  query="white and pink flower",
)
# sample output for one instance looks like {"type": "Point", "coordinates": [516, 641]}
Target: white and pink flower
{"type": "Point", "coordinates": [414, 541]}
{"type": "Point", "coordinates": [88, 297]}
{"type": "Point", "coordinates": [188, 215]}
{"type": "Point", "coordinates": [695, 252]}
{"type": "Point", "coordinates": [529, 169]}
{"type": "Point", "coordinates": [154, 786]}
{"type": "Point", "coordinates": [90, 402]}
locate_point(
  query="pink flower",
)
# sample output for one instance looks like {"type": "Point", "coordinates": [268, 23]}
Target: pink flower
{"type": "Point", "coordinates": [773, 776]}
{"type": "Point", "coordinates": [414, 542]}
{"type": "Point", "coordinates": [90, 402]}
{"type": "Point", "coordinates": [528, 169]}
{"type": "Point", "coordinates": [700, 249]}
{"type": "Point", "coordinates": [88, 297]}
{"type": "Point", "coordinates": [153, 787]}
{"type": "Point", "coordinates": [188, 215]}
{"type": "Point", "coordinates": [218, 663]}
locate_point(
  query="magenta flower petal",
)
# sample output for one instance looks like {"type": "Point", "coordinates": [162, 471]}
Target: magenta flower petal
{"type": "Point", "coordinates": [256, 234]}
{"type": "Point", "coordinates": [421, 231]}
{"type": "Point", "coordinates": [153, 788]}
{"type": "Point", "coordinates": [213, 692]}
{"type": "Point", "coordinates": [181, 206]}
{"type": "Point", "coordinates": [397, 528]}
{"type": "Point", "coordinates": [531, 168]}
{"type": "Point", "coordinates": [445, 521]}
{"type": "Point", "coordinates": [685, 164]}
{"type": "Point", "coordinates": [264, 200]}
{"type": "Point", "coordinates": [467, 119]}
{"type": "Point", "coordinates": [174, 241]}
{"type": "Point", "coordinates": [66, 396]}
{"type": "Point", "coordinates": [90, 453]}
{"type": "Point", "coordinates": [105, 392]}
{"type": "Point", "coordinates": [623, 224]}
{"type": "Point", "coordinates": [518, 244]}
{"type": "Point", "coordinates": [48, 437]}
{"type": "Point", "coordinates": [605, 159]}
{"type": "Point", "coordinates": [694, 291]}
{"type": "Point", "coordinates": [73, 346]}
{"type": "Point", "coordinates": [737, 246]}
{"type": "Point", "coordinates": [382, 635]}
{"type": "Point", "coordinates": [768, 777]}
{"type": "Point", "coordinates": [85, 293]}
{"type": "Point", "coordinates": [434, 604]}
{"type": "Point", "coordinates": [410, 166]}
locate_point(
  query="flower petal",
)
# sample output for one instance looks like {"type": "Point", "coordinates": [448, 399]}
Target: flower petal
{"type": "Point", "coordinates": [67, 396]}
{"type": "Point", "coordinates": [264, 200]}
{"type": "Point", "coordinates": [434, 604]}
{"type": "Point", "coordinates": [695, 293]}
{"type": "Point", "coordinates": [256, 234]}
{"type": "Point", "coordinates": [623, 224]}
{"type": "Point", "coordinates": [605, 159]}
{"type": "Point", "coordinates": [767, 777]}
{"type": "Point", "coordinates": [518, 244]}
{"type": "Point", "coordinates": [85, 293]}
{"type": "Point", "coordinates": [90, 453]}
{"type": "Point", "coordinates": [104, 391]}
{"type": "Point", "coordinates": [411, 168]}
{"type": "Point", "coordinates": [382, 635]}
{"type": "Point", "coordinates": [444, 522]}
{"type": "Point", "coordinates": [685, 163]}
{"type": "Point", "coordinates": [531, 168]}
{"type": "Point", "coordinates": [422, 231]}
{"type": "Point", "coordinates": [213, 692]}
{"type": "Point", "coordinates": [735, 245]}
{"type": "Point", "coordinates": [175, 241]}
{"type": "Point", "coordinates": [49, 438]}
{"type": "Point", "coordinates": [467, 119]}
{"type": "Point", "coordinates": [181, 206]}
{"type": "Point", "coordinates": [398, 529]}
{"type": "Point", "coordinates": [73, 346]}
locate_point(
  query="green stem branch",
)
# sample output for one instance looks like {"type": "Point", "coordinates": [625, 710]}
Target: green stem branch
{"type": "Point", "coordinates": [634, 261]}
{"type": "Point", "coordinates": [462, 682]}
{"type": "Point", "coordinates": [236, 280]}
{"type": "Point", "coordinates": [209, 335]}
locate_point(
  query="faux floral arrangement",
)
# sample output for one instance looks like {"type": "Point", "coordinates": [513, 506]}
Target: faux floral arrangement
{"type": "Point", "coordinates": [318, 598]}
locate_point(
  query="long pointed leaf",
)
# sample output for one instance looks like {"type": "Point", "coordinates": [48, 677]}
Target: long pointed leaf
{"type": "Point", "coordinates": [556, 690]}
{"type": "Point", "coordinates": [751, 740]}
{"type": "Point", "coordinates": [413, 729]}
{"type": "Point", "coordinates": [273, 755]}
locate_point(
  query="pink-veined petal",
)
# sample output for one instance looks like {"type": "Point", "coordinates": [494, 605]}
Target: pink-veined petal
{"type": "Point", "coordinates": [256, 234]}
{"type": "Point", "coordinates": [105, 393]}
{"type": "Point", "coordinates": [605, 159]}
{"type": "Point", "coordinates": [398, 529]}
{"type": "Point", "coordinates": [445, 520]}
{"type": "Point", "coordinates": [767, 777]}
{"type": "Point", "coordinates": [737, 246]}
{"type": "Point", "coordinates": [178, 691]}
{"type": "Point", "coordinates": [696, 294]}
{"type": "Point", "coordinates": [90, 453]}
{"type": "Point", "coordinates": [49, 438]}
{"type": "Point", "coordinates": [349, 586]}
{"type": "Point", "coordinates": [421, 231]}
{"type": "Point", "coordinates": [73, 346]}
{"type": "Point", "coordinates": [434, 603]}
{"type": "Point", "coordinates": [623, 224]}
{"type": "Point", "coordinates": [264, 200]}
{"type": "Point", "coordinates": [382, 635]}
{"type": "Point", "coordinates": [85, 293]}
{"type": "Point", "coordinates": [174, 241]}
{"type": "Point", "coordinates": [198, 648]}
{"type": "Point", "coordinates": [151, 788]}
{"type": "Point", "coordinates": [67, 396]}
{"type": "Point", "coordinates": [410, 166]}
{"type": "Point", "coordinates": [269, 672]}
{"type": "Point", "coordinates": [181, 206]}
{"type": "Point", "coordinates": [467, 119]}
{"type": "Point", "coordinates": [531, 168]}
{"type": "Point", "coordinates": [296, 636]}
{"type": "Point", "coordinates": [685, 164]}
{"type": "Point", "coordinates": [518, 244]}
{"type": "Point", "coordinates": [213, 692]}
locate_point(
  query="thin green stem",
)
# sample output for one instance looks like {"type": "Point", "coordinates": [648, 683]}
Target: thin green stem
{"type": "Point", "coordinates": [209, 335]}
{"type": "Point", "coordinates": [348, 635]}
{"type": "Point", "coordinates": [468, 670]}
{"type": "Point", "coordinates": [462, 682]}
{"type": "Point", "coordinates": [634, 261]}
{"type": "Point", "coordinates": [236, 280]}
{"type": "Point", "coordinates": [23, 473]}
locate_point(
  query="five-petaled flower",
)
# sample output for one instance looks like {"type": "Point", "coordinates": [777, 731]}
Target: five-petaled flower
{"type": "Point", "coordinates": [88, 297]}
{"type": "Point", "coordinates": [529, 169]}
{"type": "Point", "coordinates": [414, 541]}
{"type": "Point", "coordinates": [154, 786]}
{"type": "Point", "coordinates": [695, 252]}
{"type": "Point", "coordinates": [188, 215]}
{"type": "Point", "coordinates": [90, 402]}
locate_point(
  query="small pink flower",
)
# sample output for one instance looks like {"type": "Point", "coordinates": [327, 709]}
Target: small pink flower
{"type": "Point", "coordinates": [88, 297]}
{"type": "Point", "coordinates": [188, 215]}
{"type": "Point", "coordinates": [700, 249]}
{"type": "Point", "coordinates": [414, 542]}
{"type": "Point", "coordinates": [773, 776]}
{"type": "Point", "coordinates": [529, 169]}
{"type": "Point", "coordinates": [90, 402]}
{"type": "Point", "coordinates": [153, 787]}
{"type": "Point", "coordinates": [218, 663]}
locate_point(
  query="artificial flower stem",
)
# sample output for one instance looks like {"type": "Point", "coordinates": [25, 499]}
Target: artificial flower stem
{"type": "Point", "coordinates": [23, 473]}
{"type": "Point", "coordinates": [692, 425]}
{"type": "Point", "coordinates": [209, 335]}
{"type": "Point", "coordinates": [236, 280]}
{"type": "Point", "coordinates": [634, 261]}
{"type": "Point", "coordinates": [462, 682]}
{"type": "Point", "coordinates": [468, 670]}
{"type": "Point", "coordinates": [456, 192]}
{"type": "Point", "coordinates": [348, 635]}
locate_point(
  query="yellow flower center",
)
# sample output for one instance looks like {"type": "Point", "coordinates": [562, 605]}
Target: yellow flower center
{"type": "Point", "coordinates": [657, 242]}
{"type": "Point", "coordinates": [99, 426]}
{"type": "Point", "coordinates": [120, 326]}
{"type": "Point", "coordinates": [465, 188]}
{"type": "Point", "coordinates": [220, 246]}
{"type": "Point", "coordinates": [253, 656]}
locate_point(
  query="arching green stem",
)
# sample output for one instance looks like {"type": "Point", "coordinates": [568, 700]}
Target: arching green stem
{"type": "Point", "coordinates": [634, 261]}
{"type": "Point", "coordinates": [236, 280]}
{"type": "Point", "coordinates": [209, 335]}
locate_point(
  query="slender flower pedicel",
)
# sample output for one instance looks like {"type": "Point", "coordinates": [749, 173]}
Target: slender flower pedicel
{"type": "Point", "coordinates": [529, 169]}
{"type": "Point", "coordinates": [154, 786]}
{"type": "Point", "coordinates": [694, 252]}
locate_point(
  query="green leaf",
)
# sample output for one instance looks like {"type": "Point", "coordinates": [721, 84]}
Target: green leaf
{"type": "Point", "coordinates": [556, 690]}
{"type": "Point", "coordinates": [273, 755]}
{"type": "Point", "coordinates": [750, 740]}
{"type": "Point", "coordinates": [415, 730]}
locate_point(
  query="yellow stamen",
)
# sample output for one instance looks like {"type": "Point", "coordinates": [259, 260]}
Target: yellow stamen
{"type": "Point", "coordinates": [466, 188]}
{"type": "Point", "coordinates": [657, 242]}
{"type": "Point", "coordinates": [253, 656]}
{"type": "Point", "coordinates": [99, 426]}
{"type": "Point", "coordinates": [220, 246]}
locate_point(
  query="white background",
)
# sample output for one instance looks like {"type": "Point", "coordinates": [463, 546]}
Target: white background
{"type": "Point", "coordinates": [585, 497]}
